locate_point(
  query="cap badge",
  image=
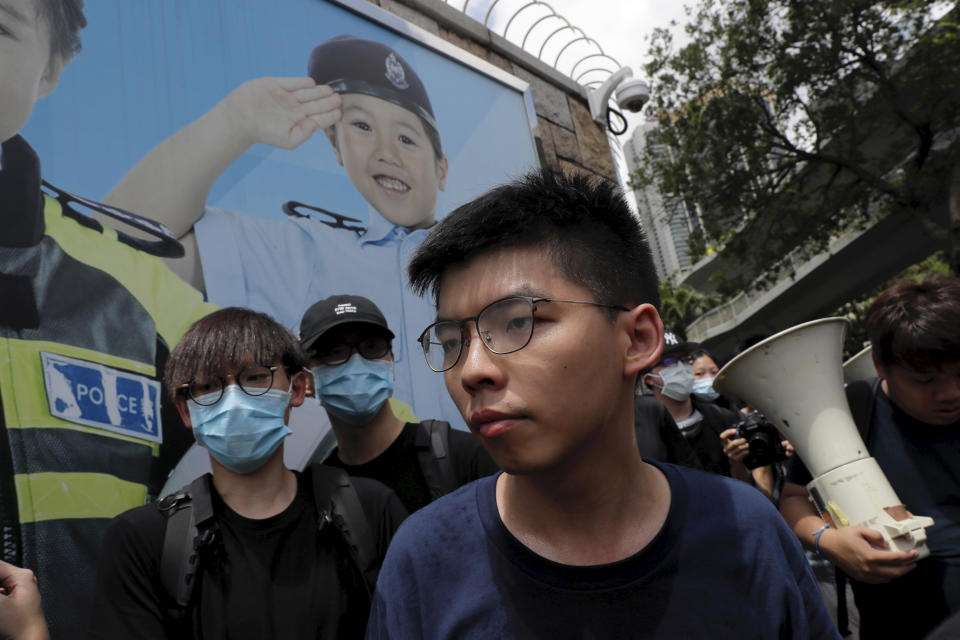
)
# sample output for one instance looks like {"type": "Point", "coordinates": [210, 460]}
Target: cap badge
{"type": "Point", "coordinates": [343, 308]}
{"type": "Point", "coordinates": [395, 73]}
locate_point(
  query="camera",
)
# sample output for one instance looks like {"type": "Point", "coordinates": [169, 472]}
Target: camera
{"type": "Point", "coordinates": [633, 94]}
{"type": "Point", "coordinates": [764, 440]}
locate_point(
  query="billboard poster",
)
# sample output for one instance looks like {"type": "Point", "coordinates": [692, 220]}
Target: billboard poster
{"type": "Point", "coordinates": [283, 220]}
{"type": "Point", "coordinates": [181, 112]}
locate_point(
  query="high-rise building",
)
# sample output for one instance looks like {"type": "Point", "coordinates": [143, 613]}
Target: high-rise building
{"type": "Point", "coordinates": [667, 221]}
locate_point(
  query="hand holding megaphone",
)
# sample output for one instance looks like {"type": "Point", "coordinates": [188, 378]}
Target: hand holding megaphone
{"type": "Point", "coordinates": [859, 551]}
{"type": "Point", "coordinates": [795, 379]}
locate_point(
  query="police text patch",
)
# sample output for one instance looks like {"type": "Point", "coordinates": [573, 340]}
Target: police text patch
{"type": "Point", "coordinates": [100, 396]}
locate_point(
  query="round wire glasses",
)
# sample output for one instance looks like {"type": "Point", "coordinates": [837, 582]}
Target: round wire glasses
{"type": "Point", "coordinates": [253, 381]}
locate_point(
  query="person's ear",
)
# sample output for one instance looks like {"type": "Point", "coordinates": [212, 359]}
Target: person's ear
{"type": "Point", "coordinates": [644, 331]}
{"type": "Point", "coordinates": [311, 388]}
{"type": "Point", "coordinates": [331, 133]}
{"type": "Point", "coordinates": [298, 391]}
{"type": "Point", "coordinates": [442, 166]}
{"type": "Point", "coordinates": [879, 366]}
{"type": "Point", "coordinates": [298, 388]}
{"type": "Point", "coordinates": [51, 75]}
{"type": "Point", "coordinates": [181, 404]}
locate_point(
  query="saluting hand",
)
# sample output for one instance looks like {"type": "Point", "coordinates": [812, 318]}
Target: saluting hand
{"type": "Point", "coordinates": [281, 112]}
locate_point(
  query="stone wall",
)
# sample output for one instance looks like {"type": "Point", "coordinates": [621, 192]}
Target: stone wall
{"type": "Point", "coordinates": [569, 140]}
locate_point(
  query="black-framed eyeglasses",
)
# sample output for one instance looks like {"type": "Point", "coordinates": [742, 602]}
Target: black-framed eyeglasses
{"type": "Point", "coordinates": [334, 353]}
{"type": "Point", "coordinates": [253, 381]}
{"type": "Point", "coordinates": [504, 326]}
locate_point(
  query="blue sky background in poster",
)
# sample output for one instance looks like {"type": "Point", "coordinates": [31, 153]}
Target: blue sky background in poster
{"type": "Point", "coordinates": [149, 68]}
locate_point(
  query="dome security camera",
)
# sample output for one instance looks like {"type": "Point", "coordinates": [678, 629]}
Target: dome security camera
{"type": "Point", "coordinates": [633, 94]}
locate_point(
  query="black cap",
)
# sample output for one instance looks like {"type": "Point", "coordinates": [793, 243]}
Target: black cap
{"type": "Point", "coordinates": [355, 65]}
{"type": "Point", "coordinates": [674, 347]}
{"type": "Point", "coordinates": [337, 310]}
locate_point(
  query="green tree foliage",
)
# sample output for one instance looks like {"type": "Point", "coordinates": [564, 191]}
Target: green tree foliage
{"type": "Point", "coordinates": [680, 305]}
{"type": "Point", "coordinates": [856, 310]}
{"type": "Point", "coordinates": [791, 121]}
{"type": "Point", "coordinates": [697, 244]}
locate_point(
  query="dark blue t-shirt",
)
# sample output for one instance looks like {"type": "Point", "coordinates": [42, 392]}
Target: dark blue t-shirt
{"type": "Point", "coordinates": [724, 565]}
{"type": "Point", "coordinates": [922, 463]}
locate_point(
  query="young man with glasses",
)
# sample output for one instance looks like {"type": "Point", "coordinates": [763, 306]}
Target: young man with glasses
{"type": "Point", "coordinates": [274, 561]}
{"type": "Point", "coordinates": [348, 342]}
{"type": "Point", "coordinates": [546, 294]}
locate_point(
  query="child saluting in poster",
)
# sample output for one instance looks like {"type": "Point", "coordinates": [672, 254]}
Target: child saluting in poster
{"type": "Point", "coordinates": [378, 118]}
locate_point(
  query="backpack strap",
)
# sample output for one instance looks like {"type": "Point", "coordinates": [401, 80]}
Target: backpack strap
{"type": "Point", "coordinates": [338, 503]}
{"type": "Point", "coordinates": [862, 397]}
{"type": "Point", "coordinates": [190, 526]}
{"type": "Point", "coordinates": [433, 453]}
{"type": "Point", "coordinates": [843, 615]}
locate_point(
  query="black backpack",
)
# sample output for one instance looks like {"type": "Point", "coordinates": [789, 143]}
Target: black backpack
{"type": "Point", "coordinates": [862, 396]}
{"type": "Point", "coordinates": [433, 453]}
{"type": "Point", "coordinates": [191, 528]}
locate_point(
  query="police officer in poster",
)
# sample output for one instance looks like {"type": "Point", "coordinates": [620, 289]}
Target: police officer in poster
{"type": "Point", "coordinates": [87, 318]}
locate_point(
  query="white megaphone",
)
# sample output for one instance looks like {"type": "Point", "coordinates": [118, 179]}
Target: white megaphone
{"type": "Point", "coordinates": [859, 366]}
{"type": "Point", "coordinates": [795, 379]}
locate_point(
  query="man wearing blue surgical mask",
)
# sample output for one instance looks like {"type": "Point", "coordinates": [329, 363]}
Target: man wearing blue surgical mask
{"type": "Point", "coordinates": [348, 343]}
{"type": "Point", "coordinates": [266, 546]}
{"type": "Point", "coordinates": [701, 422]}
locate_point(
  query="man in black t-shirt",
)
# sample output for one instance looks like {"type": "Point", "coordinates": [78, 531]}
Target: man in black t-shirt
{"type": "Point", "coordinates": [275, 561]}
{"type": "Point", "coordinates": [348, 342]}
{"type": "Point", "coordinates": [658, 437]}
{"type": "Point", "coordinates": [910, 422]}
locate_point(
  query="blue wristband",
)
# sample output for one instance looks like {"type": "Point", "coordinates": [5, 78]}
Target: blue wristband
{"type": "Point", "coordinates": [816, 538]}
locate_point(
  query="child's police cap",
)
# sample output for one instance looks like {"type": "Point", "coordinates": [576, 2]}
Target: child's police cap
{"type": "Point", "coordinates": [336, 310]}
{"type": "Point", "coordinates": [355, 65]}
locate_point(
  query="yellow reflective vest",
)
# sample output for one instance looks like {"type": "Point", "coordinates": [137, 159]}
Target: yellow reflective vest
{"type": "Point", "coordinates": [88, 322]}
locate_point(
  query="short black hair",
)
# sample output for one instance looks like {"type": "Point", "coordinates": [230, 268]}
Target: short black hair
{"type": "Point", "coordinates": [698, 352]}
{"type": "Point", "coordinates": [917, 324]}
{"type": "Point", "coordinates": [64, 19]}
{"type": "Point", "coordinates": [583, 222]}
{"type": "Point", "coordinates": [229, 339]}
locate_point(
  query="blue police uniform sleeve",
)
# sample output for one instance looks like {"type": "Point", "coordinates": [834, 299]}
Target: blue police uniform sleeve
{"type": "Point", "coordinates": [253, 262]}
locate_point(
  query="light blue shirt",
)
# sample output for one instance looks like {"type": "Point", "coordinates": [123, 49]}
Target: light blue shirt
{"type": "Point", "coordinates": [281, 267]}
